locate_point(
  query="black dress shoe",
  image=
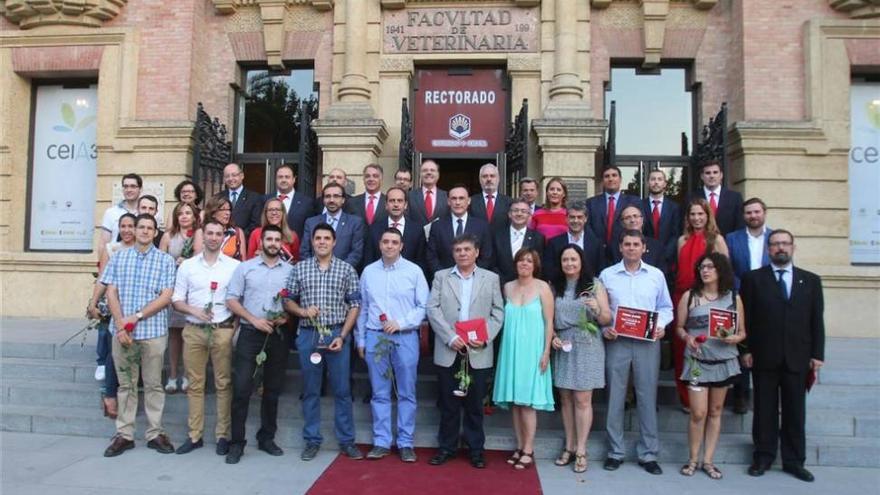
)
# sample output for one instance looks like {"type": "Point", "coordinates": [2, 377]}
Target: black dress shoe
{"type": "Point", "coordinates": [478, 461]}
{"type": "Point", "coordinates": [161, 444]}
{"type": "Point", "coordinates": [799, 472]}
{"type": "Point", "coordinates": [188, 446]}
{"type": "Point", "coordinates": [758, 469]}
{"type": "Point", "coordinates": [235, 452]}
{"type": "Point", "coordinates": [118, 446]}
{"type": "Point", "coordinates": [441, 458]}
{"type": "Point", "coordinates": [269, 447]}
{"type": "Point", "coordinates": [222, 446]}
{"type": "Point", "coordinates": [651, 467]}
{"type": "Point", "coordinates": [612, 464]}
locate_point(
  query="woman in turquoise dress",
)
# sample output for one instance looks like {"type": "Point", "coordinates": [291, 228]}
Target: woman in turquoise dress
{"type": "Point", "coordinates": [523, 381]}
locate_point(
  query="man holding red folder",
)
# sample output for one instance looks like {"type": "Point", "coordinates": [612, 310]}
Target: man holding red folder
{"type": "Point", "coordinates": [459, 296]}
{"type": "Point", "coordinates": [636, 287]}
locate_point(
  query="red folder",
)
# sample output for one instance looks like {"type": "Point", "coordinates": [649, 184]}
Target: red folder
{"type": "Point", "coordinates": [471, 330]}
{"type": "Point", "coordinates": [721, 319]}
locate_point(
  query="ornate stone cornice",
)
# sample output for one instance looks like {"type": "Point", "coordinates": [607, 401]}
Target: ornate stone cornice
{"type": "Point", "coordinates": [230, 6]}
{"type": "Point", "coordinates": [700, 4]}
{"type": "Point", "coordinates": [858, 9]}
{"type": "Point", "coordinates": [399, 4]}
{"type": "Point", "coordinates": [34, 13]}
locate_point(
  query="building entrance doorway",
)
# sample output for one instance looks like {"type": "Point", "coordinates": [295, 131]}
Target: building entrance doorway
{"type": "Point", "coordinates": [462, 170]}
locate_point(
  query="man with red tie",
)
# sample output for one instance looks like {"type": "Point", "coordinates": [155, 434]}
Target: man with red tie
{"type": "Point", "coordinates": [603, 211]}
{"type": "Point", "coordinates": [370, 206]}
{"type": "Point", "coordinates": [663, 220]}
{"type": "Point", "coordinates": [726, 204]}
{"type": "Point", "coordinates": [428, 202]}
{"type": "Point", "coordinates": [489, 204]}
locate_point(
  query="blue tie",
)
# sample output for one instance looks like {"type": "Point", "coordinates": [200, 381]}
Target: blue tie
{"type": "Point", "coordinates": [783, 289]}
{"type": "Point", "coordinates": [460, 229]}
{"type": "Point", "coordinates": [234, 197]}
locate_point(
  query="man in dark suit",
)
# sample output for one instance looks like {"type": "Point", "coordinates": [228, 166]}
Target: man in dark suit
{"type": "Point", "coordinates": [413, 231]}
{"type": "Point", "coordinates": [662, 217]}
{"type": "Point", "coordinates": [725, 203]}
{"type": "Point", "coordinates": [748, 251]}
{"type": "Point", "coordinates": [784, 313]}
{"type": "Point", "coordinates": [370, 205]}
{"type": "Point", "coordinates": [349, 229]}
{"type": "Point", "coordinates": [528, 190]}
{"type": "Point", "coordinates": [428, 202]}
{"type": "Point", "coordinates": [509, 239]}
{"type": "Point", "coordinates": [603, 211]}
{"type": "Point", "coordinates": [489, 204]}
{"type": "Point", "coordinates": [298, 206]}
{"type": "Point", "coordinates": [247, 205]}
{"type": "Point", "coordinates": [450, 226]}
{"type": "Point", "coordinates": [631, 218]}
{"type": "Point", "coordinates": [577, 234]}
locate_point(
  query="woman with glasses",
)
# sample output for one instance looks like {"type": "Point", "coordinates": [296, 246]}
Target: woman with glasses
{"type": "Point", "coordinates": [552, 220]}
{"type": "Point", "coordinates": [220, 209]}
{"type": "Point", "coordinates": [188, 192]}
{"type": "Point", "coordinates": [701, 236]}
{"type": "Point", "coordinates": [711, 362]}
{"type": "Point", "coordinates": [275, 214]}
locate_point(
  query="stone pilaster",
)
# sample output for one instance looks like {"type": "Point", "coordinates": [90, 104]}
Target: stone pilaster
{"type": "Point", "coordinates": [350, 144]}
{"type": "Point", "coordinates": [569, 67]}
{"type": "Point", "coordinates": [353, 97]}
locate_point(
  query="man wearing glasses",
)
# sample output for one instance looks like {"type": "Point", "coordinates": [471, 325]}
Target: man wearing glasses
{"type": "Point", "coordinates": [349, 228]}
{"type": "Point", "coordinates": [247, 205]}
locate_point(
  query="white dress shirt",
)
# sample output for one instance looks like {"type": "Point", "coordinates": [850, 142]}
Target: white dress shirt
{"type": "Point", "coordinates": [375, 196]}
{"type": "Point", "coordinates": [516, 239]}
{"type": "Point", "coordinates": [708, 192]}
{"type": "Point", "coordinates": [464, 219]}
{"type": "Point", "coordinates": [287, 201]}
{"type": "Point", "coordinates": [579, 241]}
{"type": "Point", "coordinates": [756, 249]}
{"type": "Point", "coordinates": [401, 224]}
{"type": "Point", "coordinates": [787, 272]}
{"type": "Point", "coordinates": [193, 285]}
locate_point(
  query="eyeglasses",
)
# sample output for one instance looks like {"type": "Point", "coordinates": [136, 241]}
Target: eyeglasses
{"type": "Point", "coordinates": [780, 244]}
{"type": "Point", "coordinates": [707, 266]}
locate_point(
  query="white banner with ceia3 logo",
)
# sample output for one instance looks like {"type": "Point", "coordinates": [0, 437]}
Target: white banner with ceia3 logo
{"type": "Point", "coordinates": [864, 173]}
{"type": "Point", "coordinates": [64, 173]}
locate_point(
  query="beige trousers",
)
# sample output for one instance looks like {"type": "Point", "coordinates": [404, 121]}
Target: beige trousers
{"type": "Point", "coordinates": [147, 358]}
{"type": "Point", "coordinates": [196, 351]}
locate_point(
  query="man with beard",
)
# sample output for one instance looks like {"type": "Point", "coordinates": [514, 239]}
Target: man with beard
{"type": "Point", "coordinates": [349, 229]}
{"type": "Point", "coordinates": [784, 310]}
{"type": "Point", "coordinates": [428, 202]}
{"type": "Point", "coordinates": [254, 295]}
{"type": "Point", "coordinates": [489, 204]}
{"type": "Point", "coordinates": [662, 217]}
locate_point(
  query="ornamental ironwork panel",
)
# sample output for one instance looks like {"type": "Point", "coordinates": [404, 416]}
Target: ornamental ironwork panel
{"type": "Point", "coordinates": [405, 150]}
{"type": "Point", "coordinates": [712, 144]}
{"type": "Point", "coordinates": [212, 152]}
{"type": "Point", "coordinates": [307, 168]}
{"type": "Point", "coordinates": [516, 148]}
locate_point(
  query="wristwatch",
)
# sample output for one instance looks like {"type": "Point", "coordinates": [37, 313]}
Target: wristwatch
{"type": "Point", "coordinates": [139, 315]}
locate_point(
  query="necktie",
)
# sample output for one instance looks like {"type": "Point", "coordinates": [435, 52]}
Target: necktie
{"type": "Point", "coordinates": [282, 197]}
{"type": "Point", "coordinates": [655, 218]}
{"type": "Point", "coordinates": [713, 203]}
{"type": "Point", "coordinates": [490, 207]}
{"type": "Point", "coordinates": [395, 225]}
{"type": "Point", "coordinates": [371, 207]}
{"type": "Point", "coordinates": [781, 283]}
{"type": "Point", "coordinates": [609, 222]}
{"type": "Point", "coordinates": [234, 197]}
{"type": "Point", "coordinates": [429, 204]}
{"type": "Point", "coordinates": [460, 229]}
{"type": "Point", "coordinates": [332, 222]}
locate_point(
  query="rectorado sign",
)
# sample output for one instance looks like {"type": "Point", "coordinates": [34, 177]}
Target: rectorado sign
{"type": "Point", "coordinates": [460, 113]}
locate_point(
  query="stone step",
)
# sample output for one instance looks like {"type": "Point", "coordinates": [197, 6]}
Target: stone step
{"type": "Point", "coordinates": [732, 448]}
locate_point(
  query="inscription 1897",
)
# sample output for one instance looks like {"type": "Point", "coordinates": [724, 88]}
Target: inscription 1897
{"type": "Point", "coordinates": [464, 30]}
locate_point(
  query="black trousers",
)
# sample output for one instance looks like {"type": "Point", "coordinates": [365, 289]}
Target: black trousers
{"type": "Point", "coordinates": [250, 342]}
{"type": "Point", "coordinates": [770, 387]}
{"type": "Point", "coordinates": [742, 385]}
{"type": "Point", "coordinates": [452, 407]}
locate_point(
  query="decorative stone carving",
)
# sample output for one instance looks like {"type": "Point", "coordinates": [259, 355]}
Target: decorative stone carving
{"type": "Point", "coordinates": [399, 4]}
{"type": "Point", "coordinates": [33, 13]}
{"type": "Point", "coordinates": [226, 7]}
{"type": "Point", "coordinates": [396, 64]}
{"type": "Point", "coordinates": [700, 4]}
{"type": "Point", "coordinates": [858, 9]}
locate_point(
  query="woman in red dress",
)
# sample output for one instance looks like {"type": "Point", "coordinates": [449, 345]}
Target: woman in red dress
{"type": "Point", "coordinates": [275, 214]}
{"type": "Point", "coordinates": [701, 236]}
{"type": "Point", "coordinates": [550, 220]}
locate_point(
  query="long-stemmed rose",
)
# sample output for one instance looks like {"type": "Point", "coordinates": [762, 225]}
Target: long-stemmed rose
{"type": "Point", "coordinates": [463, 376]}
{"type": "Point", "coordinates": [271, 315]}
{"type": "Point", "coordinates": [696, 371]}
{"type": "Point", "coordinates": [187, 250]}
{"type": "Point", "coordinates": [209, 310]}
{"type": "Point", "coordinates": [132, 353]}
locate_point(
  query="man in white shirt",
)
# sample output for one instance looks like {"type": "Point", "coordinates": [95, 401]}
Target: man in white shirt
{"type": "Point", "coordinates": [489, 204]}
{"type": "Point", "coordinates": [200, 294]}
{"type": "Point", "coordinates": [131, 191]}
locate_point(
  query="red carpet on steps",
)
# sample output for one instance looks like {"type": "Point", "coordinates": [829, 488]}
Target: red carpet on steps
{"type": "Point", "coordinates": [389, 476]}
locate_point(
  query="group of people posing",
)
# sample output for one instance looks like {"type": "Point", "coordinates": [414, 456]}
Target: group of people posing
{"type": "Point", "coordinates": [537, 288]}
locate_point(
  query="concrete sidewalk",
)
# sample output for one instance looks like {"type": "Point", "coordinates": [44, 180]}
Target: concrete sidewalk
{"type": "Point", "coordinates": [53, 464]}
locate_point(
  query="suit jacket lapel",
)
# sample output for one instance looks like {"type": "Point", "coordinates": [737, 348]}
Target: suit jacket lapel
{"type": "Point", "coordinates": [506, 249]}
{"type": "Point", "coordinates": [478, 284]}
{"type": "Point", "coordinates": [455, 284]}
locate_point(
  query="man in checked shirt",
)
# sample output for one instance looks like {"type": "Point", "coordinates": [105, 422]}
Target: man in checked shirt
{"type": "Point", "coordinates": [324, 294]}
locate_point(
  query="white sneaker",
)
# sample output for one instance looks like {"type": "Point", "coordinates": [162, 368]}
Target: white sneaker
{"type": "Point", "coordinates": [184, 384]}
{"type": "Point", "coordinates": [100, 373]}
{"type": "Point", "coordinates": [171, 386]}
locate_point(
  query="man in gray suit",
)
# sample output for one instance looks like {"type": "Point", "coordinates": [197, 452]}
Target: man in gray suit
{"type": "Point", "coordinates": [463, 292]}
{"type": "Point", "coordinates": [349, 228]}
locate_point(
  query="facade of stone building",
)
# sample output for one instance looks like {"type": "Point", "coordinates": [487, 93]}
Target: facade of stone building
{"type": "Point", "coordinates": [785, 71]}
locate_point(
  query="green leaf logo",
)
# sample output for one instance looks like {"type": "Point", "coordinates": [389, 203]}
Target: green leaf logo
{"type": "Point", "coordinates": [68, 116]}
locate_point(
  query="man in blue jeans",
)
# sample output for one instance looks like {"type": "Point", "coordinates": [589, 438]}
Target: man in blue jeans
{"type": "Point", "coordinates": [323, 292]}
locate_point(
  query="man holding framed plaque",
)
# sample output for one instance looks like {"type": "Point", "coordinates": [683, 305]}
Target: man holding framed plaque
{"type": "Point", "coordinates": [641, 308]}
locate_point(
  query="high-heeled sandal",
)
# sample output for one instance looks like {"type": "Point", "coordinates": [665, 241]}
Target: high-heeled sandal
{"type": "Point", "coordinates": [564, 458]}
{"type": "Point", "coordinates": [522, 466]}
{"type": "Point", "coordinates": [514, 457]}
{"type": "Point", "coordinates": [580, 463]}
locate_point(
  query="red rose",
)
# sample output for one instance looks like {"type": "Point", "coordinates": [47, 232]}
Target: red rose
{"type": "Point", "coordinates": [383, 318]}
{"type": "Point", "coordinates": [701, 338]}
{"type": "Point", "coordinates": [129, 327]}
{"type": "Point", "coordinates": [190, 232]}
{"type": "Point", "coordinates": [213, 286]}
{"type": "Point", "coordinates": [284, 293]}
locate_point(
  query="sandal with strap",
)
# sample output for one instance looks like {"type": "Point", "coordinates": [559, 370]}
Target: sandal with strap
{"type": "Point", "coordinates": [520, 465]}
{"type": "Point", "coordinates": [689, 469]}
{"type": "Point", "coordinates": [712, 471]}
{"type": "Point", "coordinates": [580, 463]}
{"type": "Point", "coordinates": [514, 457]}
{"type": "Point", "coordinates": [564, 458]}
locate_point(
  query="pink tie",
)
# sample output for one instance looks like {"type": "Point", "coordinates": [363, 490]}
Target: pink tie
{"type": "Point", "coordinates": [371, 207]}
{"type": "Point", "coordinates": [282, 197]}
{"type": "Point", "coordinates": [609, 222]}
{"type": "Point", "coordinates": [429, 204]}
{"type": "Point", "coordinates": [713, 203]}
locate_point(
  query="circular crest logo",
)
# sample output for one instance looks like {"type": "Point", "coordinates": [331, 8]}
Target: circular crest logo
{"type": "Point", "coordinates": [459, 126]}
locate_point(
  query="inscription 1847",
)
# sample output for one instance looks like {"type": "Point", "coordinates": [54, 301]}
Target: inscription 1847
{"type": "Point", "coordinates": [440, 30]}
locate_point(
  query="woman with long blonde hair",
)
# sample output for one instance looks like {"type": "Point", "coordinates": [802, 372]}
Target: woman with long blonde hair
{"type": "Point", "coordinates": [275, 214]}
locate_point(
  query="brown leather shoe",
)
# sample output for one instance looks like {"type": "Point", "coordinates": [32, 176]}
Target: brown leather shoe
{"type": "Point", "coordinates": [118, 446]}
{"type": "Point", "coordinates": [161, 444]}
